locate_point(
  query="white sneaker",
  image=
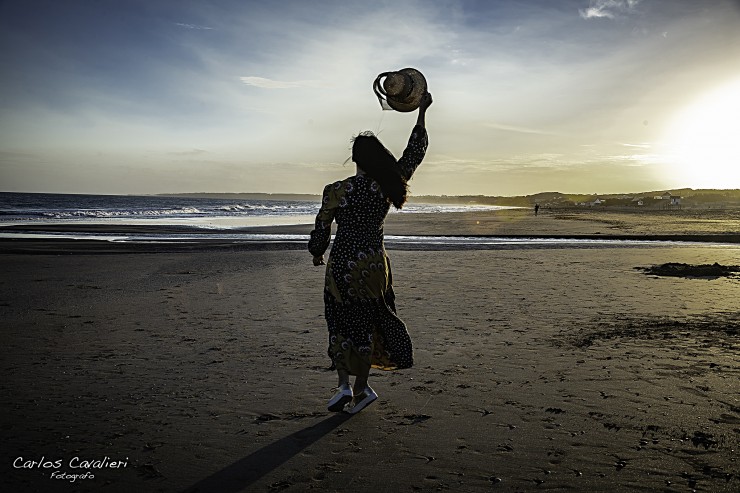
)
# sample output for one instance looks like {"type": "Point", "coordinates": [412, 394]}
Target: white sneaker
{"type": "Point", "coordinates": [367, 397]}
{"type": "Point", "coordinates": [341, 398]}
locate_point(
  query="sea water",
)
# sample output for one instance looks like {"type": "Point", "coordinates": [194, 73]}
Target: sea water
{"type": "Point", "coordinates": [221, 219]}
{"type": "Point", "coordinates": [217, 214]}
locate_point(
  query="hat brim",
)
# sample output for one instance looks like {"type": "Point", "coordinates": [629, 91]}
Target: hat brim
{"type": "Point", "coordinates": [413, 100]}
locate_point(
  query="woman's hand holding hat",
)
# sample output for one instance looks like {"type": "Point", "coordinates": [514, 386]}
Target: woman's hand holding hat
{"type": "Point", "coordinates": [426, 102]}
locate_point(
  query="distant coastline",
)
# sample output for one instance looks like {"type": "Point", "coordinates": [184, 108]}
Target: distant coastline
{"type": "Point", "coordinates": [656, 199]}
{"type": "Point", "coordinates": [683, 198]}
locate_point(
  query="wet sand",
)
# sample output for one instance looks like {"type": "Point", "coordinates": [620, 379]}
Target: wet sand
{"type": "Point", "coordinates": [536, 369]}
{"type": "Point", "coordinates": [712, 224]}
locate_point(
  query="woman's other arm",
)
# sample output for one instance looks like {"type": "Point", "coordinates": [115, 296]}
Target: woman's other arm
{"type": "Point", "coordinates": [321, 235]}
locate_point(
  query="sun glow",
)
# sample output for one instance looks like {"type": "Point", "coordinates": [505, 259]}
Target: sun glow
{"type": "Point", "coordinates": [702, 147]}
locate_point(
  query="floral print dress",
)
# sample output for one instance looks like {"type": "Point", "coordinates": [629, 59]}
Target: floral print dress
{"type": "Point", "coordinates": [359, 303]}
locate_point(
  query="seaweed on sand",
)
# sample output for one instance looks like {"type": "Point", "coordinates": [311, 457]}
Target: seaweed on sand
{"type": "Point", "coordinates": [674, 269]}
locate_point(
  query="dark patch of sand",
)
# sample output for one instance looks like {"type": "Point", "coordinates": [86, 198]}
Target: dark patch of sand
{"type": "Point", "coordinates": [678, 269]}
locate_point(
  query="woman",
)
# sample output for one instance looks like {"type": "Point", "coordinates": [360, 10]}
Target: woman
{"type": "Point", "coordinates": [364, 330]}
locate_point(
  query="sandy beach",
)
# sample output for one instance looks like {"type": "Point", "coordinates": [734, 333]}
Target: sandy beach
{"type": "Point", "coordinates": [203, 369]}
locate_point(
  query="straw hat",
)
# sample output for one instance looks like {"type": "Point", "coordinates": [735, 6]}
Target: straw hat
{"type": "Point", "coordinates": [401, 90]}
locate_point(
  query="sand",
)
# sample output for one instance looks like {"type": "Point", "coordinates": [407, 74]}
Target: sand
{"type": "Point", "coordinates": [698, 224]}
{"type": "Point", "coordinates": [204, 369]}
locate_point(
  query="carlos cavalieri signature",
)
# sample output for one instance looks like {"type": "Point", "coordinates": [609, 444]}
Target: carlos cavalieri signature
{"type": "Point", "coordinates": [80, 468]}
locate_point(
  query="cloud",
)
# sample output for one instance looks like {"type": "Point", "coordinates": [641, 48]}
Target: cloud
{"type": "Point", "coordinates": [608, 8]}
{"type": "Point", "coordinates": [279, 84]}
{"type": "Point", "coordinates": [648, 159]}
{"type": "Point", "coordinates": [193, 26]}
{"type": "Point", "coordinates": [8, 155]}
{"type": "Point", "coordinates": [192, 152]}
{"type": "Point", "coordinates": [514, 128]}
{"type": "Point", "coordinates": [639, 146]}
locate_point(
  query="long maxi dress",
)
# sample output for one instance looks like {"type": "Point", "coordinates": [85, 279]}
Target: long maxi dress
{"type": "Point", "coordinates": [359, 303]}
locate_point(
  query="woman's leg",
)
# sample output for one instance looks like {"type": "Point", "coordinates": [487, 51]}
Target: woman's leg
{"type": "Point", "coordinates": [343, 377]}
{"type": "Point", "coordinates": [363, 394]}
{"type": "Point", "coordinates": [361, 380]}
{"type": "Point", "coordinates": [344, 393]}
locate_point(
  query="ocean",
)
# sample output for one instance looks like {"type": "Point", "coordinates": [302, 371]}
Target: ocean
{"type": "Point", "coordinates": [65, 216]}
{"type": "Point", "coordinates": [207, 218]}
{"type": "Point", "coordinates": [211, 213]}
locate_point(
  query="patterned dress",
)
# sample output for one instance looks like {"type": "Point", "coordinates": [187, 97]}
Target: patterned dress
{"type": "Point", "coordinates": [359, 303]}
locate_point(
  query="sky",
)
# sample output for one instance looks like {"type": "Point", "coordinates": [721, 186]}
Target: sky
{"type": "Point", "coordinates": [575, 96]}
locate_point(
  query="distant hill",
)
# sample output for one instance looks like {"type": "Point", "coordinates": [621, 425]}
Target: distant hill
{"type": "Point", "coordinates": [688, 198]}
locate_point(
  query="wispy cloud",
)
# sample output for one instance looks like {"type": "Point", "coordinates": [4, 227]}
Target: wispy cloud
{"type": "Point", "coordinates": [518, 162]}
{"type": "Point", "coordinates": [608, 8]}
{"type": "Point", "coordinates": [639, 146]}
{"type": "Point", "coordinates": [265, 83]}
{"type": "Point", "coordinates": [647, 159]}
{"type": "Point", "coordinates": [193, 26]}
{"type": "Point", "coordinates": [514, 128]}
{"type": "Point", "coordinates": [192, 152]}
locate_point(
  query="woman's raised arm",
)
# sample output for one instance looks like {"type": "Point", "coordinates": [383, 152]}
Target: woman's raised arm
{"type": "Point", "coordinates": [417, 146]}
{"type": "Point", "coordinates": [426, 102]}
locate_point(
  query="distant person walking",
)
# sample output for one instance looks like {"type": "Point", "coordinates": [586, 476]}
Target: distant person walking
{"type": "Point", "coordinates": [536, 208]}
{"type": "Point", "coordinates": [359, 303]}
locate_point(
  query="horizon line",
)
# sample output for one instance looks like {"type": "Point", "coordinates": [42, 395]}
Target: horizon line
{"type": "Point", "coordinates": [410, 196]}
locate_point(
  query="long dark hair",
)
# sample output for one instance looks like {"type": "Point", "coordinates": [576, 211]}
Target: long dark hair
{"type": "Point", "coordinates": [379, 164]}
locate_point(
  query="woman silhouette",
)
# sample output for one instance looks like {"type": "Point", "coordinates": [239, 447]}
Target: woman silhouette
{"type": "Point", "coordinates": [364, 330]}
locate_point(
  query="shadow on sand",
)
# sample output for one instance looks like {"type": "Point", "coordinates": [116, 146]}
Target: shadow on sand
{"type": "Point", "coordinates": [246, 471]}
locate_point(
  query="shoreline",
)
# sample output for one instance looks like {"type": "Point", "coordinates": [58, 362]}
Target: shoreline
{"type": "Point", "coordinates": [56, 246]}
{"type": "Point", "coordinates": [710, 227]}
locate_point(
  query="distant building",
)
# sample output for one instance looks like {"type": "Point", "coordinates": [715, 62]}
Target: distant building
{"type": "Point", "coordinates": [669, 200]}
